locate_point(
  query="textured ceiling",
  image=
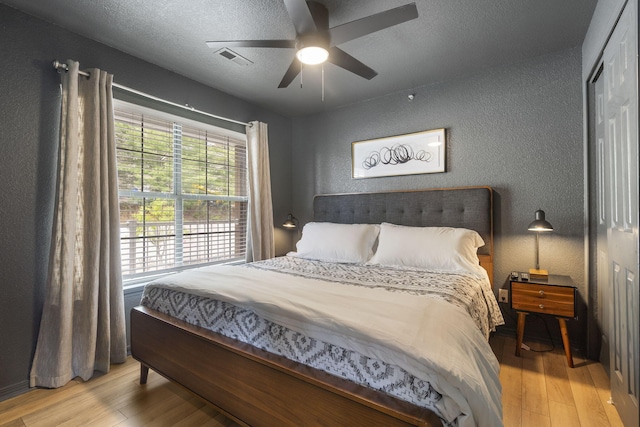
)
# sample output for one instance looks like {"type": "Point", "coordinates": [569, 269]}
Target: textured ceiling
{"type": "Point", "coordinates": [450, 38]}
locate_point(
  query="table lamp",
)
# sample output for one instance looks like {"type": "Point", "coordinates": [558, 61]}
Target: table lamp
{"type": "Point", "coordinates": [538, 225]}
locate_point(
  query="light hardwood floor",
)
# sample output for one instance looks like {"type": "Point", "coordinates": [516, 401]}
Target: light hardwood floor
{"type": "Point", "coordinates": [538, 390]}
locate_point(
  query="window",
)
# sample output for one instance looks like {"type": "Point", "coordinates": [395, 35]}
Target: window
{"type": "Point", "coordinates": [182, 190]}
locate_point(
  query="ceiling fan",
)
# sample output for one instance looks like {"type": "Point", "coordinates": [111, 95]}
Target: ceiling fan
{"type": "Point", "coordinates": [315, 42]}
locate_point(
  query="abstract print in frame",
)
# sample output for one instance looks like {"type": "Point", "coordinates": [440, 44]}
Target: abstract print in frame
{"type": "Point", "coordinates": [413, 153]}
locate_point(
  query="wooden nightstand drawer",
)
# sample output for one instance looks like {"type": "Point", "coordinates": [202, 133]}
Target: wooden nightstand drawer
{"type": "Point", "coordinates": [555, 295]}
{"type": "Point", "coordinates": [548, 299]}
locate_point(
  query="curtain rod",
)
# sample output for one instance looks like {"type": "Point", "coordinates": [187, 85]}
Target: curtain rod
{"type": "Point", "coordinates": [61, 66]}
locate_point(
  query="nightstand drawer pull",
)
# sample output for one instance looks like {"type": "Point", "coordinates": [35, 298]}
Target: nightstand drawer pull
{"type": "Point", "coordinates": [541, 306]}
{"type": "Point", "coordinates": [541, 292]}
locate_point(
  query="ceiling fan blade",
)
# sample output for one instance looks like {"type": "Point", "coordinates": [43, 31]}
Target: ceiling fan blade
{"type": "Point", "coordinates": [292, 72]}
{"type": "Point", "coordinates": [342, 59]}
{"type": "Point", "coordinates": [301, 16]}
{"type": "Point", "coordinates": [371, 24]}
{"type": "Point", "coordinates": [252, 43]}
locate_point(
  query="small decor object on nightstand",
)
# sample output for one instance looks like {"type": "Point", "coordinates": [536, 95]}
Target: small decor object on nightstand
{"type": "Point", "coordinates": [538, 225]}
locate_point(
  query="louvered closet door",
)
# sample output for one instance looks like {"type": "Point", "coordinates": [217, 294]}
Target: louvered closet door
{"type": "Point", "coordinates": [621, 131]}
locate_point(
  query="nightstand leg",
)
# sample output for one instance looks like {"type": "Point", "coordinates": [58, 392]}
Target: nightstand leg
{"type": "Point", "coordinates": [521, 319]}
{"type": "Point", "coordinates": [565, 341]}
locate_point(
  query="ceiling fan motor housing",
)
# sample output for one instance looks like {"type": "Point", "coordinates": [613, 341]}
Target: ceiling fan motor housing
{"type": "Point", "coordinates": [320, 39]}
{"type": "Point", "coordinates": [312, 38]}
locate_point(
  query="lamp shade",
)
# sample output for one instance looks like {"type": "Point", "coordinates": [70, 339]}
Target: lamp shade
{"type": "Point", "coordinates": [290, 222]}
{"type": "Point", "coordinates": [312, 55]}
{"type": "Point", "coordinates": [540, 224]}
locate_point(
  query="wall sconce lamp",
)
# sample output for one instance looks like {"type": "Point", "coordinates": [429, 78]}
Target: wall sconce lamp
{"type": "Point", "coordinates": [291, 223]}
{"type": "Point", "coordinates": [538, 225]}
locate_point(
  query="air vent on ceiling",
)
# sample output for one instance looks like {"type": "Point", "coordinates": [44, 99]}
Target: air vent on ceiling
{"type": "Point", "coordinates": [232, 56]}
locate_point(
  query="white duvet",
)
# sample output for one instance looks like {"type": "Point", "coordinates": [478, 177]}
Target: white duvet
{"type": "Point", "coordinates": [430, 338]}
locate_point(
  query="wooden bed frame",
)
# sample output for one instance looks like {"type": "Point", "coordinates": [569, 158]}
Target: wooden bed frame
{"type": "Point", "coordinates": [257, 388]}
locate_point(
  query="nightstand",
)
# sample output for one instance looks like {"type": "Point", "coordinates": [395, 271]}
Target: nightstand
{"type": "Point", "coordinates": [555, 296]}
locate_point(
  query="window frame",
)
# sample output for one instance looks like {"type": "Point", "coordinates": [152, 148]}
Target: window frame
{"type": "Point", "coordinates": [177, 195]}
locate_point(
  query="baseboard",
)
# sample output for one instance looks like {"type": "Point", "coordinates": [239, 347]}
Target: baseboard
{"type": "Point", "coordinates": [14, 390]}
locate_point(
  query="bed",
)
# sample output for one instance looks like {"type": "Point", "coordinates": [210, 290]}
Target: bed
{"type": "Point", "coordinates": [264, 353]}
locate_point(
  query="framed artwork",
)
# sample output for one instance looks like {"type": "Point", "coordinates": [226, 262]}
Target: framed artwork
{"type": "Point", "coordinates": [410, 154]}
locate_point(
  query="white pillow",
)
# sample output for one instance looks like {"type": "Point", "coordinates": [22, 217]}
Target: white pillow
{"type": "Point", "coordinates": [344, 243]}
{"type": "Point", "coordinates": [436, 248]}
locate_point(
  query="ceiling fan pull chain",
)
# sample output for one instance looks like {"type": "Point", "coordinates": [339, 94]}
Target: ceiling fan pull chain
{"type": "Point", "coordinates": [301, 67]}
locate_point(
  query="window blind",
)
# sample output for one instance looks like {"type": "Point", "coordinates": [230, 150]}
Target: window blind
{"type": "Point", "coordinates": [182, 191]}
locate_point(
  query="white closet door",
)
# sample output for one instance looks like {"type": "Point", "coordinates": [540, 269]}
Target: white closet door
{"type": "Point", "coordinates": [602, 223]}
{"type": "Point", "coordinates": [621, 132]}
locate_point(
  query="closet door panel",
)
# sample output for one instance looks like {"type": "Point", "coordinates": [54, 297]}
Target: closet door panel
{"type": "Point", "coordinates": [621, 136]}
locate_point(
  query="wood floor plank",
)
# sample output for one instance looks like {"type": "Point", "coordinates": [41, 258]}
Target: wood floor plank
{"type": "Point", "coordinates": [511, 370]}
{"type": "Point", "coordinates": [511, 380]}
{"type": "Point", "coordinates": [183, 408]}
{"type": "Point", "coordinates": [563, 415]}
{"type": "Point", "coordinates": [538, 390]}
{"type": "Point", "coordinates": [511, 411]}
{"type": "Point", "coordinates": [205, 416]}
{"type": "Point", "coordinates": [17, 407]}
{"type": "Point", "coordinates": [66, 413]}
{"type": "Point", "coordinates": [557, 380]}
{"type": "Point", "coordinates": [587, 401]}
{"type": "Point", "coordinates": [601, 383]}
{"type": "Point", "coordinates": [533, 419]}
{"type": "Point", "coordinates": [134, 397]}
{"type": "Point", "coordinates": [153, 404]}
{"type": "Point", "coordinates": [40, 398]}
{"type": "Point", "coordinates": [13, 423]}
{"type": "Point", "coordinates": [534, 388]}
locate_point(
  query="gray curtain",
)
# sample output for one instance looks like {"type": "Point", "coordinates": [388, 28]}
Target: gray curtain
{"type": "Point", "coordinates": [82, 328]}
{"type": "Point", "coordinates": [260, 240]}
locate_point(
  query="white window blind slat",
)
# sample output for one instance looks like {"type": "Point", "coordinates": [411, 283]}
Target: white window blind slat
{"type": "Point", "coordinates": [183, 195]}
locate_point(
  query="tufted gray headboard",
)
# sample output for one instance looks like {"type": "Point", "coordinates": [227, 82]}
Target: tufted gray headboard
{"type": "Point", "coordinates": [466, 207]}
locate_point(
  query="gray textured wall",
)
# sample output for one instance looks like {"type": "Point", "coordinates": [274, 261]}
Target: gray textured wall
{"type": "Point", "coordinates": [517, 129]}
{"type": "Point", "coordinates": [29, 114]}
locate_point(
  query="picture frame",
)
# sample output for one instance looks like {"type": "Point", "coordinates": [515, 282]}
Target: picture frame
{"type": "Point", "coordinates": [414, 153]}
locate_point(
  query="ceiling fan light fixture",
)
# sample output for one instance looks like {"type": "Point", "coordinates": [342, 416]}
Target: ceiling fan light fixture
{"type": "Point", "coordinates": [315, 39]}
{"type": "Point", "coordinates": [312, 55]}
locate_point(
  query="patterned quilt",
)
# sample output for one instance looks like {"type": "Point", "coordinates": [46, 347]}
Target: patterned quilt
{"type": "Point", "coordinates": [462, 290]}
{"type": "Point", "coordinates": [244, 325]}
